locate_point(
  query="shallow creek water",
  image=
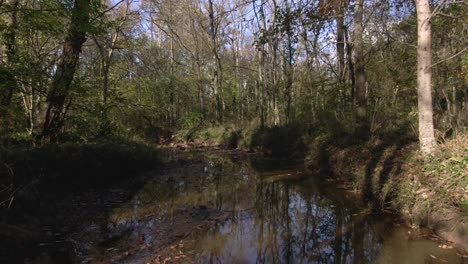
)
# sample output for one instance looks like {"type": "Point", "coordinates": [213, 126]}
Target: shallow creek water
{"type": "Point", "coordinates": [232, 208]}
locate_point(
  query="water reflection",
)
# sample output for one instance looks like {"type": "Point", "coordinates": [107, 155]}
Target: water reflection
{"type": "Point", "coordinates": [279, 215]}
{"type": "Point", "coordinates": [292, 222]}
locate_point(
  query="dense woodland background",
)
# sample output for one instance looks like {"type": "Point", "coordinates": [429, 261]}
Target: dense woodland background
{"type": "Point", "coordinates": [86, 69]}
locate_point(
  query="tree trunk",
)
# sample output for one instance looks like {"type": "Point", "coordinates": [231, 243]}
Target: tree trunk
{"type": "Point", "coordinates": [172, 87]}
{"type": "Point", "coordinates": [217, 73]}
{"type": "Point", "coordinates": [360, 90]}
{"type": "Point", "coordinates": [349, 53]}
{"type": "Point", "coordinates": [58, 101]}
{"type": "Point", "coordinates": [8, 81]}
{"type": "Point", "coordinates": [426, 122]}
{"type": "Point", "coordinates": [340, 43]}
{"type": "Point", "coordinates": [261, 65]}
{"type": "Point", "coordinates": [288, 65]}
{"type": "Point", "coordinates": [200, 87]}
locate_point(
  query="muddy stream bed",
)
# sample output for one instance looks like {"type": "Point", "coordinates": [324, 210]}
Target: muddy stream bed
{"type": "Point", "coordinates": [217, 207]}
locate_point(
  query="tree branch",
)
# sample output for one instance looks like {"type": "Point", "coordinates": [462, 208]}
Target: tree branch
{"type": "Point", "coordinates": [451, 57]}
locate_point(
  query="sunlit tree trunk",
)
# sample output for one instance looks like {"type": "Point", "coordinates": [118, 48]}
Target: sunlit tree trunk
{"type": "Point", "coordinates": [426, 122]}
{"type": "Point", "coordinates": [272, 89]}
{"type": "Point", "coordinates": [27, 97]}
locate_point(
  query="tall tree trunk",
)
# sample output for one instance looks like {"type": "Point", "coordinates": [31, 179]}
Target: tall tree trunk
{"type": "Point", "coordinates": [217, 73]}
{"type": "Point", "coordinates": [288, 72]}
{"type": "Point", "coordinates": [261, 64]}
{"type": "Point", "coordinates": [58, 101]}
{"type": "Point", "coordinates": [340, 43]}
{"type": "Point", "coordinates": [27, 96]}
{"type": "Point", "coordinates": [288, 64]}
{"type": "Point", "coordinates": [172, 87]}
{"type": "Point", "coordinates": [426, 122]}
{"type": "Point", "coordinates": [236, 49]}
{"type": "Point", "coordinates": [200, 86]}
{"type": "Point", "coordinates": [272, 89]}
{"type": "Point", "coordinates": [8, 80]}
{"type": "Point", "coordinates": [360, 107]}
{"type": "Point", "coordinates": [261, 87]}
{"type": "Point", "coordinates": [349, 53]}
{"type": "Point", "coordinates": [198, 64]}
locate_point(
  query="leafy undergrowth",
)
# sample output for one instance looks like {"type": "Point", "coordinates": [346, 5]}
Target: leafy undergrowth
{"type": "Point", "coordinates": [435, 190]}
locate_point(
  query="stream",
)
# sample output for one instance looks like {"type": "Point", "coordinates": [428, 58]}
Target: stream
{"type": "Point", "coordinates": [216, 207]}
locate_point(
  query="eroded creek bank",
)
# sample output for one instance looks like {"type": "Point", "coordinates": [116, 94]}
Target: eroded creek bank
{"type": "Point", "coordinates": [205, 207]}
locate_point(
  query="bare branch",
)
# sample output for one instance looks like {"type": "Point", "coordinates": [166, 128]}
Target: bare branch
{"type": "Point", "coordinates": [451, 57]}
{"type": "Point", "coordinates": [112, 7]}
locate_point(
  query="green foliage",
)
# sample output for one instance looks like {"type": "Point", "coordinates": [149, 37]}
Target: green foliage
{"type": "Point", "coordinates": [49, 22]}
{"type": "Point", "coordinates": [192, 120]}
{"type": "Point", "coordinates": [166, 82]}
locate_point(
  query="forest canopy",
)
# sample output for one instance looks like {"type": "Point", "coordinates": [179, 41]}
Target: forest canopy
{"type": "Point", "coordinates": [84, 69]}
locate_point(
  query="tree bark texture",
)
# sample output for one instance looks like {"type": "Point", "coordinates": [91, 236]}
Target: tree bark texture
{"type": "Point", "coordinates": [426, 122]}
